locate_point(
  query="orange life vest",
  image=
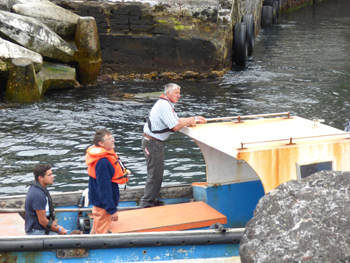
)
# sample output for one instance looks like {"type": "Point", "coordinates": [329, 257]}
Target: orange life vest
{"type": "Point", "coordinates": [95, 153]}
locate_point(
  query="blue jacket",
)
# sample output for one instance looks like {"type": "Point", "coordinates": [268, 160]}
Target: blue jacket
{"type": "Point", "coordinates": [102, 192]}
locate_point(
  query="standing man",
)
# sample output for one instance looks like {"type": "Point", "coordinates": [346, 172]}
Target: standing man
{"type": "Point", "coordinates": [40, 215]}
{"type": "Point", "coordinates": [161, 122]}
{"type": "Point", "coordinates": [105, 171]}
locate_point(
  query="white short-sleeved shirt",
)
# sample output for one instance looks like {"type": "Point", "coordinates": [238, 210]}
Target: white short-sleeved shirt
{"type": "Point", "coordinates": [162, 116]}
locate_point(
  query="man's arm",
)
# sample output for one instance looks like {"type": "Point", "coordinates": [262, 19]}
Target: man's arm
{"type": "Point", "coordinates": [44, 221]}
{"type": "Point", "coordinates": [182, 122]}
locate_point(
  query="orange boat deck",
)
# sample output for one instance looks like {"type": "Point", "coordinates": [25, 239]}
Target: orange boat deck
{"type": "Point", "coordinates": [11, 224]}
{"type": "Point", "coordinates": [160, 218]}
{"type": "Point", "coordinates": [167, 218]}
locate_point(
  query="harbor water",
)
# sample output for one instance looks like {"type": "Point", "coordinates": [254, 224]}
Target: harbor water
{"type": "Point", "coordinates": [300, 65]}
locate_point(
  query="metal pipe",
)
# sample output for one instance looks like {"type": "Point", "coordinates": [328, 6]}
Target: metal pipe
{"type": "Point", "coordinates": [248, 116]}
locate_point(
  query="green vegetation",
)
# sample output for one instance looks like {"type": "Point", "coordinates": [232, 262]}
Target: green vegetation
{"type": "Point", "coordinates": [176, 24]}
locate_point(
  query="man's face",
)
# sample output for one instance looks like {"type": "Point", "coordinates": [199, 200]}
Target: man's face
{"type": "Point", "coordinates": [47, 179]}
{"type": "Point", "coordinates": [174, 96]}
{"type": "Point", "coordinates": [108, 142]}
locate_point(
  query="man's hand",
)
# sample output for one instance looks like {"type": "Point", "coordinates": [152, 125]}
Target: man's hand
{"type": "Point", "coordinates": [114, 217]}
{"type": "Point", "coordinates": [200, 119]}
{"type": "Point", "coordinates": [63, 231]}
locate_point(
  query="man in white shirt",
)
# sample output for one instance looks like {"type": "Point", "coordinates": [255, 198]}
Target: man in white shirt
{"type": "Point", "coordinates": [161, 122]}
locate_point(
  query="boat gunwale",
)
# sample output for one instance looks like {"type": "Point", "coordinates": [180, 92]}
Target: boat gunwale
{"type": "Point", "coordinates": [124, 240]}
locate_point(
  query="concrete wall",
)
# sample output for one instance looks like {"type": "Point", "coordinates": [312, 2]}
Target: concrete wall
{"type": "Point", "coordinates": [170, 39]}
{"type": "Point", "coordinates": [175, 38]}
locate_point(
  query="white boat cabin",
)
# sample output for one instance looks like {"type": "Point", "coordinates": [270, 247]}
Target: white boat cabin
{"type": "Point", "coordinates": [273, 148]}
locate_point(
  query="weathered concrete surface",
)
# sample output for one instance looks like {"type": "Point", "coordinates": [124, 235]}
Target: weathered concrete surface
{"type": "Point", "coordinates": [56, 76]}
{"type": "Point", "coordinates": [301, 221]}
{"type": "Point", "coordinates": [9, 51]}
{"type": "Point", "coordinates": [58, 19]}
{"type": "Point", "coordinates": [21, 84]}
{"type": "Point", "coordinates": [88, 55]}
{"type": "Point", "coordinates": [34, 35]}
{"type": "Point", "coordinates": [171, 36]}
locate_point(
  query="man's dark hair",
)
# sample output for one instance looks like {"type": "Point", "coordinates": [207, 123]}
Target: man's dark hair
{"type": "Point", "coordinates": [40, 170]}
{"type": "Point", "coordinates": [99, 135]}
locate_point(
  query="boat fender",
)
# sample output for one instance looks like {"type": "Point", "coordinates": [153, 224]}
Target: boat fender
{"type": "Point", "coordinates": [218, 227]}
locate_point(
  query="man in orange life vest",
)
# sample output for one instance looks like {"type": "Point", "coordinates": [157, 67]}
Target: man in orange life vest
{"type": "Point", "coordinates": [161, 121]}
{"type": "Point", "coordinates": [105, 171]}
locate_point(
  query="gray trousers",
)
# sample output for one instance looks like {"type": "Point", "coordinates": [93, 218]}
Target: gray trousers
{"type": "Point", "coordinates": [154, 154]}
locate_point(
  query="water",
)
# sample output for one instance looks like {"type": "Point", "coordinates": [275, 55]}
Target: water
{"type": "Point", "coordinates": [300, 65]}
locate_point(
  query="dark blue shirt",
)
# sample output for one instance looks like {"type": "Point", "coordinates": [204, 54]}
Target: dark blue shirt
{"type": "Point", "coordinates": [102, 192]}
{"type": "Point", "coordinates": [35, 200]}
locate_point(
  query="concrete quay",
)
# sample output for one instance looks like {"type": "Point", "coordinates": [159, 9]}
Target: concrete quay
{"type": "Point", "coordinates": [170, 39]}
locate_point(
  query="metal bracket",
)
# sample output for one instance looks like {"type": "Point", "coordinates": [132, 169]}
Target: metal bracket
{"type": "Point", "coordinates": [72, 253]}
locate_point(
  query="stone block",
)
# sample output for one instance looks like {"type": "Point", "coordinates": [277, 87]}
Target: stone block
{"type": "Point", "coordinates": [121, 17]}
{"type": "Point", "coordinates": [139, 27]}
{"type": "Point", "coordinates": [9, 51]}
{"type": "Point", "coordinates": [114, 22]}
{"type": "Point", "coordinates": [21, 84]}
{"type": "Point", "coordinates": [88, 56]}
{"type": "Point", "coordinates": [20, 29]}
{"type": "Point", "coordinates": [89, 71]}
{"type": "Point", "coordinates": [120, 11]}
{"type": "Point", "coordinates": [120, 27]}
{"type": "Point", "coordinates": [135, 10]}
{"type": "Point", "coordinates": [141, 22]}
{"type": "Point", "coordinates": [56, 76]}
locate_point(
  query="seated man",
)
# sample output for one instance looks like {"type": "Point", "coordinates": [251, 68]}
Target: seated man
{"type": "Point", "coordinates": [40, 215]}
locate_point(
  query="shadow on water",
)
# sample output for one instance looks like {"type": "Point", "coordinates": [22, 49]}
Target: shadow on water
{"type": "Point", "coordinates": [299, 65]}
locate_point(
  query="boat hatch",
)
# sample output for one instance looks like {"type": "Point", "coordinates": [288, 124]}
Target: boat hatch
{"type": "Point", "coordinates": [174, 217]}
{"type": "Point", "coordinates": [274, 148]}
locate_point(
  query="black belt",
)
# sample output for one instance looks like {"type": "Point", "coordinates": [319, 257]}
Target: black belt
{"type": "Point", "coordinates": [150, 137]}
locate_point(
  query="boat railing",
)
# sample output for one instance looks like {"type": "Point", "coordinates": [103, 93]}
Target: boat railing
{"type": "Point", "coordinates": [88, 209]}
{"type": "Point", "coordinates": [291, 139]}
{"type": "Point", "coordinates": [239, 117]}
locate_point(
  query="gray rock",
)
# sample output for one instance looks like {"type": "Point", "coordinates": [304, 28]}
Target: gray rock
{"type": "Point", "coordinates": [4, 5]}
{"type": "Point", "coordinates": [301, 221]}
{"type": "Point", "coordinates": [11, 3]}
{"type": "Point", "coordinates": [9, 51]}
{"type": "Point", "coordinates": [35, 36]}
{"type": "Point", "coordinates": [58, 19]}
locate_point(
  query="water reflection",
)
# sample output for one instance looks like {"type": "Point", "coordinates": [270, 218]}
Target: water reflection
{"type": "Point", "coordinates": [299, 65]}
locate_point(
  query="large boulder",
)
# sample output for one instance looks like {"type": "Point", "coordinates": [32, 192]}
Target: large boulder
{"type": "Point", "coordinates": [9, 51]}
{"type": "Point", "coordinates": [34, 35]}
{"type": "Point", "coordinates": [58, 19]}
{"type": "Point", "coordinates": [301, 221]}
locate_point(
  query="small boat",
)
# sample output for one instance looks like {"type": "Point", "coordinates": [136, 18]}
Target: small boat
{"type": "Point", "coordinates": [246, 157]}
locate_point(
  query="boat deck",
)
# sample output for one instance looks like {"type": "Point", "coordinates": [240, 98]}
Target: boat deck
{"type": "Point", "coordinates": [12, 224]}
{"type": "Point", "coordinates": [167, 218]}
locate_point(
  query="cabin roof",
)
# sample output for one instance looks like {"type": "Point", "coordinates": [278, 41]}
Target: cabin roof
{"type": "Point", "coordinates": [275, 148]}
{"type": "Point", "coordinates": [265, 133]}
